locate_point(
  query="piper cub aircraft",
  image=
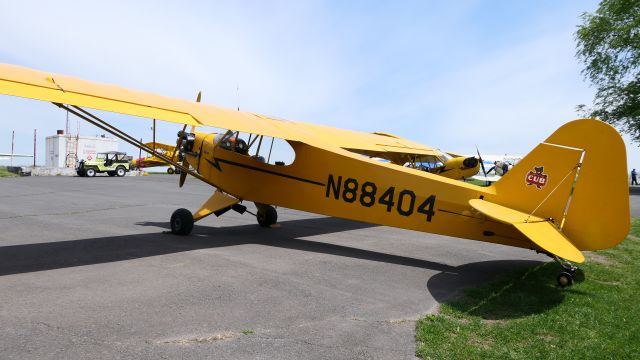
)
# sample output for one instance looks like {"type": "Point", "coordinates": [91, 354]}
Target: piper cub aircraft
{"type": "Point", "coordinates": [154, 161]}
{"type": "Point", "coordinates": [555, 200]}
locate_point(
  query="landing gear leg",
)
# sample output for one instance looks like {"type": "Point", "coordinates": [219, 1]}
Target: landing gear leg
{"type": "Point", "coordinates": [566, 277]}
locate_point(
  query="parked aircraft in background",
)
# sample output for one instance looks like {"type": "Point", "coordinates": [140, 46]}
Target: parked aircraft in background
{"type": "Point", "coordinates": [494, 166]}
{"type": "Point", "coordinates": [154, 161]}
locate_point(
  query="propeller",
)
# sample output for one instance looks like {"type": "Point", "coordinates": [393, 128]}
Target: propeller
{"type": "Point", "coordinates": [484, 171]}
{"type": "Point", "coordinates": [185, 163]}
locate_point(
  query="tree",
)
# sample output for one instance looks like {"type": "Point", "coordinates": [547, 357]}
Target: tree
{"type": "Point", "coordinates": [608, 43]}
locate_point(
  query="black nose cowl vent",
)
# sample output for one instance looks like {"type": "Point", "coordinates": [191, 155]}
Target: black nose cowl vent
{"type": "Point", "coordinates": [470, 162]}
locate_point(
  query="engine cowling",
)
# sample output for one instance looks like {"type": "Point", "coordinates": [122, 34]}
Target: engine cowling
{"type": "Point", "coordinates": [458, 167]}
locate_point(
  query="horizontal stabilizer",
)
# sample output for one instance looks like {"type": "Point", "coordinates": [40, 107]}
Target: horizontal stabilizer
{"type": "Point", "coordinates": [545, 235]}
{"type": "Point", "coordinates": [540, 231]}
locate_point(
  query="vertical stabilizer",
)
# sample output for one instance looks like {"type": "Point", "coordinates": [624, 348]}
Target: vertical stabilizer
{"type": "Point", "coordinates": [578, 178]}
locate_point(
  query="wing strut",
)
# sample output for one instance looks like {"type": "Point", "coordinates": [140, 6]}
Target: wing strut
{"type": "Point", "coordinates": [96, 121]}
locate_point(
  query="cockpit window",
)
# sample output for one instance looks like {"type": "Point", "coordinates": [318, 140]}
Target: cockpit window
{"type": "Point", "coordinates": [232, 142]}
{"type": "Point", "coordinates": [260, 148]}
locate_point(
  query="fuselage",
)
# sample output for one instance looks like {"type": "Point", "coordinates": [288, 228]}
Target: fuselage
{"type": "Point", "coordinates": [339, 183]}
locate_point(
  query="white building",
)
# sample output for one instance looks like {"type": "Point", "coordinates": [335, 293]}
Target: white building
{"type": "Point", "coordinates": [78, 148]}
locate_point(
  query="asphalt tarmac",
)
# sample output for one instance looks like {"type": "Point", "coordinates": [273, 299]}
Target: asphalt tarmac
{"type": "Point", "coordinates": [87, 272]}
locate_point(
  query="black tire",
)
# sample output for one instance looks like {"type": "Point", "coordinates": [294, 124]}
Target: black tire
{"type": "Point", "coordinates": [90, 172]}
{"type": "Point", "coordinates": [111, 173]}
{"type": "Point", "coordinates": [181, 222]}
{"type": "Point", "coordinates": [170, 171]}
{"type": "Point", "coordinates": [267, 216]}
{"type": "Point", "coordinates": [178, 171]}
{"type": "Point", "coordinates": [564, 279]}
{"type": "Point", "coordinates": [120, 171]}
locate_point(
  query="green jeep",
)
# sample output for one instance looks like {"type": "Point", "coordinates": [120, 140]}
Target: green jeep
{"type": "Point", "coordinates": [114, 163]}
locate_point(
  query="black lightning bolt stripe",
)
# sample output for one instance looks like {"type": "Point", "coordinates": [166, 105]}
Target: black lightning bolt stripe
{"type": "Point", "coordinates": [216, 161]}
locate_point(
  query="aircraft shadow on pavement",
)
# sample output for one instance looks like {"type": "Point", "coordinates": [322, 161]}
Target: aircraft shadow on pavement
{"type": "Point", "coordinates": [531, 291]}
{"type": "Point", "coordinates": [17, 259]}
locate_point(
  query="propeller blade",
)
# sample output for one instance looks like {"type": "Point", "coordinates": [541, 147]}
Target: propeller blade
{"type": "Point", "coordinates": [185, 163]}
{"type": "Point", "coordinates": [198, 98]}
{"type": "Point", "coordinates": [484, 171]}
{"type": "Point", "coordinates": [183, 174]}
{"type": "Point", "coordinates": [179, 143]}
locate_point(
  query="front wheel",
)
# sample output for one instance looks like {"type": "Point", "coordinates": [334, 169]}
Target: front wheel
{"type": "Point", "coordinates": [120, 171]}
{"type": "Point", "coordinates": [90, 172]}
{"type": "Point", "coordinates": [170, 171]}
{"type": "Point", "coordinates": [267, 216]}
{"type": "Point", "coordinates": [181, 222]}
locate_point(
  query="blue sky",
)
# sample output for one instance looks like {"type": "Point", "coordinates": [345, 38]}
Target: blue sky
{"type": "Point", "coordinates": [498, 74]}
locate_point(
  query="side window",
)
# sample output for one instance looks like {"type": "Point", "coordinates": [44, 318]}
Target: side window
{"type": "Point", "coordinates": [279, 152]}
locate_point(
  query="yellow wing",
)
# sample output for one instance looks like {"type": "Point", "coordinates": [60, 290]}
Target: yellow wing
{"type": "Point", "coordinates": [157, 145]}
{"type": "Point", "coordinates": [29, 83]}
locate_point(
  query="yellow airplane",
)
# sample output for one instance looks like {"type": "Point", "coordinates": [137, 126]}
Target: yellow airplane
{"type": "Point", "coordinates": [556, 200]}
{"type": "Point", "coordinates": [154, 161]}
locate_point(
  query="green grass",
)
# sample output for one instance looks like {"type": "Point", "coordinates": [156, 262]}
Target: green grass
{"type": "Point", "coordinates": [525, 316]}
{"type": "Point", "coordinates": [5, 173]}
{"type": "Point", "coordinates": [476, 182]}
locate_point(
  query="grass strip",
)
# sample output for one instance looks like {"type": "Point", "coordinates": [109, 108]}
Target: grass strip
{"type": "Point", "coordinates": [525, 316]}
{"type": "Point", "coordinates": [5, 173]}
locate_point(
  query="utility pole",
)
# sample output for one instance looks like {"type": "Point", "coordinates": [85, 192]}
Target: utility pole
{"type": "Point", "coordinates": [154, 135]}
{"type": "Point", "coordinates": [140, 154]}
{"type": "Point", "coordinates": [13, 138]}
{"type": "Point", "coordinates": [35, 132]}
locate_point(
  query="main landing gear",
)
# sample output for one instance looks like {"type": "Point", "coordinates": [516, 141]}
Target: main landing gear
{"type": "Point", "coordinates": [568, 273]}
{"type": "Point", "coordinates": [181, 222]}
{"type": "Point", "coordinates": [267, 215]}
{"type": "Point", "coordinates": [182, 219]}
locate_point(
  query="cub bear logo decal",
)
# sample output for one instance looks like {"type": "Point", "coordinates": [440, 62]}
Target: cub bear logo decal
{"type": "Point", "coordinates": [537, 177]}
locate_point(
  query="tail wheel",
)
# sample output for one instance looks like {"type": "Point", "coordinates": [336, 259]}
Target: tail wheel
{"type": "Point", "coordinates": [181, 222]}
{"type": "Point", "coordinates": [565, 279]}
{"type": "Point", "coordinates": [121, 171]}
{"type": "Point", "coordinates": [90, 172]}
{"type": "Point", "coordinates": [170, 171]}
{"type": "Point", "coordinates": [267, 216]}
